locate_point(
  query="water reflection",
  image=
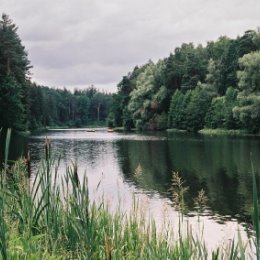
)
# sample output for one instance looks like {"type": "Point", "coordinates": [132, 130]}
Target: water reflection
{"type": "Point", "coordinates": [18, 146]}
{"type": "Point", "coordinates": [219, 165]}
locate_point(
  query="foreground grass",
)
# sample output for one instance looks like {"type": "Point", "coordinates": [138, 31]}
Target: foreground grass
{"type": "Point", "coordinates": [44, 219]}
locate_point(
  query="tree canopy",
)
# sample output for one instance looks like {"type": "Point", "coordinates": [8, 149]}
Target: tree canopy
{"type": "Point", "coordinates": [195, 87]}
{"type": "Point", "coordinates": [216, 86]}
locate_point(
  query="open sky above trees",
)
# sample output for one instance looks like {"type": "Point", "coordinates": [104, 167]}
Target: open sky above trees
{"type": "Point", "coordinates": [79, 43]}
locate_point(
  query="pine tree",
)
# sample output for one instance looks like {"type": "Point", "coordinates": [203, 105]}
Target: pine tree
{"type": "Point", "coordinates": [14, 72]}
{"type": "Point", "coordinates": [11, 107]}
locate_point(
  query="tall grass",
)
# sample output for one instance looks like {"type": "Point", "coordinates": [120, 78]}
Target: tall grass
{"type": "Point", "coordinates": [3, 227]}
{"type": "Point", "coordinates": [255, 215]}
{"type": "Point", "coordinates": [44, 219]}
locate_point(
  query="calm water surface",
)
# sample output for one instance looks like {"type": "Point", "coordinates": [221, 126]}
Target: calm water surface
{"type": "Point", "coordinates": [219, 165]}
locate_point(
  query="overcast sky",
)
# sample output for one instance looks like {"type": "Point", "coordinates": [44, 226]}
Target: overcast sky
{"type": "Point", "coordinates": [76, 43]}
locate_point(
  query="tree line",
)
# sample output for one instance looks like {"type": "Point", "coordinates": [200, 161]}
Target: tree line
{"type": "Point", "coordinates": [25, 105]}
{"type": "Point", "coordinates": [195, 87]}
{"type": "Point", "coordinates": [60, 107]}
{"type": "Point", "coordinates": [216, 86]}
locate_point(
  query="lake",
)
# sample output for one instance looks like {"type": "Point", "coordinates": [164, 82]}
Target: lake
{"type": "Point", "coordinates": [142, 164]}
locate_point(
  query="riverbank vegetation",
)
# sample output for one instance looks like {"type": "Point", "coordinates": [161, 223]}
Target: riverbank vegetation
{"type": "Point", "coordinates": [50, 216]}
{"type": "Point", "coordinates": [221, 131]}
{"type": "Point", "coordinates": [196, 87]}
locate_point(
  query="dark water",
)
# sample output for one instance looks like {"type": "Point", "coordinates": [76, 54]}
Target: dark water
{"type": "Point", "coordinates": [222, 166]}
{"type": "Point", "coordinates": [18, 146]}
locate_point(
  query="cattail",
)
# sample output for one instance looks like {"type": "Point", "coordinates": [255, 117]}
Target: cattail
{"type": "Point", "coordinates": [75, 172]}
{"type": "Point", "coordinates": [178, 191]}
{"type": "Point", "coordinates": [47, 148]}
{"type": "Point", "coordinates": [108, 248]}
{"type": "Point", "coordinates": [201, 201]}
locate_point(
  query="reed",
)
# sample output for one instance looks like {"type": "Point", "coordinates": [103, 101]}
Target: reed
{"type": "Point", "coordinates": [255, 214]}
{"type": "Point", "coordinates": [3, 227]}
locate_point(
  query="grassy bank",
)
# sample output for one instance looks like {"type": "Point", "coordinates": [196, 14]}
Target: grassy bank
{"type": "Point", "coordinates": [220, 131]}
{"type": "Point", "coordinates": [51, 217]}
{"type": "Point", "coordinates": [174, 130]}
{"type": "Point", "coordinates": [70, 125]}
{"type": "Point", "coordinates": [119, 129]}
{"type": "Point", "coordinates": [217, 131]}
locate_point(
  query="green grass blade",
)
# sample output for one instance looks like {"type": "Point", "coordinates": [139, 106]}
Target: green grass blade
{"type": "Point", "coordinates": [256, 214]}
{"type": "Point", "coordinates": [7, 145]}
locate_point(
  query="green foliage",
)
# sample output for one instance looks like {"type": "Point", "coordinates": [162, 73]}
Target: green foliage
{"type": "Point", "coordinates": [14, 70]}
{"type": "Point", "coordinates": [249, 42]}
{"type": "Point", "coordinates": [185, 68]}
{"type": "Point", "coordinates": [215, 116]}
{"type": "Point", "coordinates": [128, 123]}
{"type": "Point", "coordinates": [221, 131]}
{"type": "Point", "coordinates": [220, 114]}
{"type": "Point", "coordinates": [195, 64]}
{"type": "Point", "coordinates": [11, 106]}
{"type": "Point", "coordinates": [110, 120]}
{"type": "Point", "coordinates": [223, 64]}
{"type": "Point", "coordinates": [13, 57]}
{"type": "Point", "coordinates": [55, 107]}
{"type": "Point", "coordinates": [121, 99]}
{"type": "Point", "coordinates": [139, 125]}
{"type": "Point", "coordinates": [248, 111]}
{"type": "Point", "coordinates": [249, 76]}
{"type": "Point", "coordinates": [197, 109]}
{"type": "Point", "coordinates": [230, 122]}
{"type": "Point", "coordinates": [160, 121]}
{"type": "Point", "coordinates": [248, 108]}
{"type": "Point", "coordinates": [187, 111]}
{"type": "Point", "coordinates": [213, 77]}
{"type": "Point", "coordinates": [167, 86]}
{"type": "Point", "coordinates": [139, 103]}
{"type": "Point", "coordinates": [175, 118]}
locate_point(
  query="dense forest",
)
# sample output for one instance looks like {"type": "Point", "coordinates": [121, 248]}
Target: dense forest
{"type": "Point", "coordinates": [25, 105]}
{"type": "Point", "coordinates": [55, 107]}
{"type": "Point", "coordinates": [216, 86]}
{"type": "Point", "coordinates": [212, 86]}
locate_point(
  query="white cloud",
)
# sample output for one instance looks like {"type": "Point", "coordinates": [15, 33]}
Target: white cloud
{"type": "Point", "coordinates": [83, 42]}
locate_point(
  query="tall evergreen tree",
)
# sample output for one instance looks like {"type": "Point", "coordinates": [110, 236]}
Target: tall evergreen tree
{"type": "Point", "coordinates": [14, 71]}
{"type": "Point", "coordinates": [11, 107]}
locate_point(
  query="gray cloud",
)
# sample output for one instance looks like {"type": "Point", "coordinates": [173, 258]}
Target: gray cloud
{"type": "Point", "coordinates": [82, 42]}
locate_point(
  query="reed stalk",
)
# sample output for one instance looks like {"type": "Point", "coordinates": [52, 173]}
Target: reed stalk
{"type": "Point", "coordinates": [255, 214]}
